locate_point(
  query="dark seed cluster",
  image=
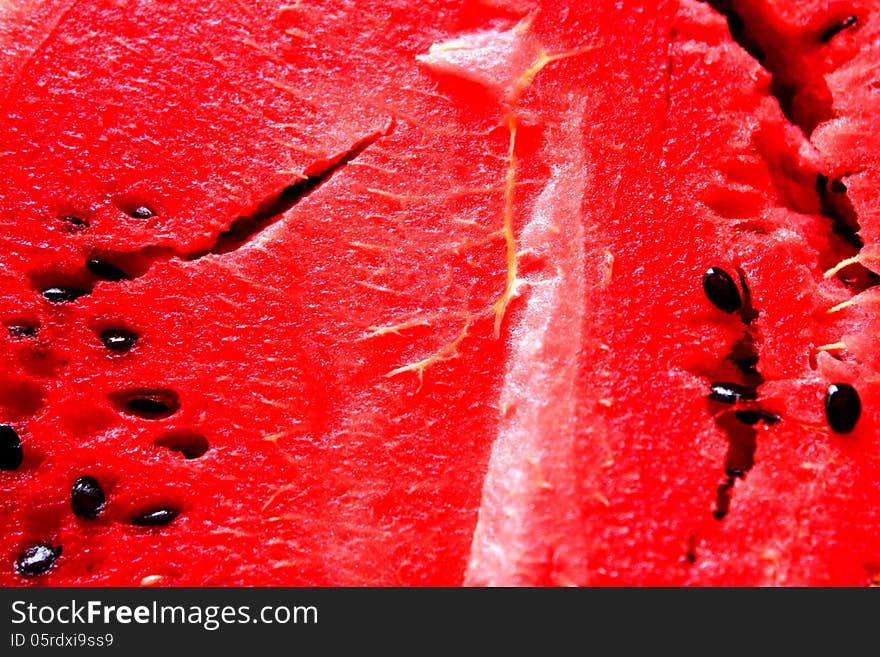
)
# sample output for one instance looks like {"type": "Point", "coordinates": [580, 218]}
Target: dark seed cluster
{"type": "Point", "coordinates": [842, 403]}
{"type": "Point", "coordinates": [843, 407]}
{"type": "Point", "coordinates": [740, 396]}
{"type": "Point", "coordinates": [88, 497]}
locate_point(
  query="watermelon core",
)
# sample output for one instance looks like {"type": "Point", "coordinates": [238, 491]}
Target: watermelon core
{"type": "Point", "coordinates": [503, 292]}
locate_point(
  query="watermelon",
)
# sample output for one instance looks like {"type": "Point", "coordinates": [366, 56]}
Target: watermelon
{"type": "Point", "coordinates": [483, 293]}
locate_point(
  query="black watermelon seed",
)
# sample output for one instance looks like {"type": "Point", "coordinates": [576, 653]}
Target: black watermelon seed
{"type": "Point", "coordinates": [837, 186]}
{"type": "Point", "coordinates": [142, 212]}
{"type": "Point", "coordinates": [11, 453]}
{"type": "Point", "coordinates": [74, 224]}
{"type": "Point", "coordinates": [189, 443]}
{"type": "Point", "coordinates": [842, 407]}
{"type": "Point", "coordinates": [730, 393]}
{"type": "Point", "coordinates": [748, 365]}
{"type": "Point", "coordinates": [22, 330]}
{"type": "Point", "coordinates": [37, 559]}
{"type": "Point", "coordinates": [155, 517]}
{"type": "Point", "coordinates": [753, 417]}
{"type": "Point", "coordinates": [118, 339]}
{"type": "Point", "coordinates": [748, 312]}
{"type": "Point", "coordinates": [721, 290]}
{"type": "Point", "coordinates": [837, 28]}
{"type": "Point", "coordinates": [87, 498]}
{"type": "Point", "coordinates": [105, 270]}
{"type": "Point", "coordinates": [147, 405]}
{"type": "Point", "coordinates": [62, 294]}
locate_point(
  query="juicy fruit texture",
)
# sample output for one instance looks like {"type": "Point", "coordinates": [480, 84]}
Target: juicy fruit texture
{"type": "Point", "coordinates": [269, 363]}
{"type": "Point", "coordinates": [494, 292]}
{"type": "Point", "coordinates": [672, 485]}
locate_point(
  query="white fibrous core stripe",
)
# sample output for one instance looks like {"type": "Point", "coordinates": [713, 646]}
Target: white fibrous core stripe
{"type": "Point", "coordinates": [531, 469]}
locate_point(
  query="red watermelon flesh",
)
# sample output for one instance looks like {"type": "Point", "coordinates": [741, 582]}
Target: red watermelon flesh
{"type": "Point", "coordinates": [656, 502]}
{"type": "Point", "coordinates": [425, 282]}
{"type": "Point", "coordinates": [322, 467]}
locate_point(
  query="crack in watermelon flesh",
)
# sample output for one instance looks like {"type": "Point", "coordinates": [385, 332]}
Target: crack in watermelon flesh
{"type": "Point", "coordinates": [395, 293]}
